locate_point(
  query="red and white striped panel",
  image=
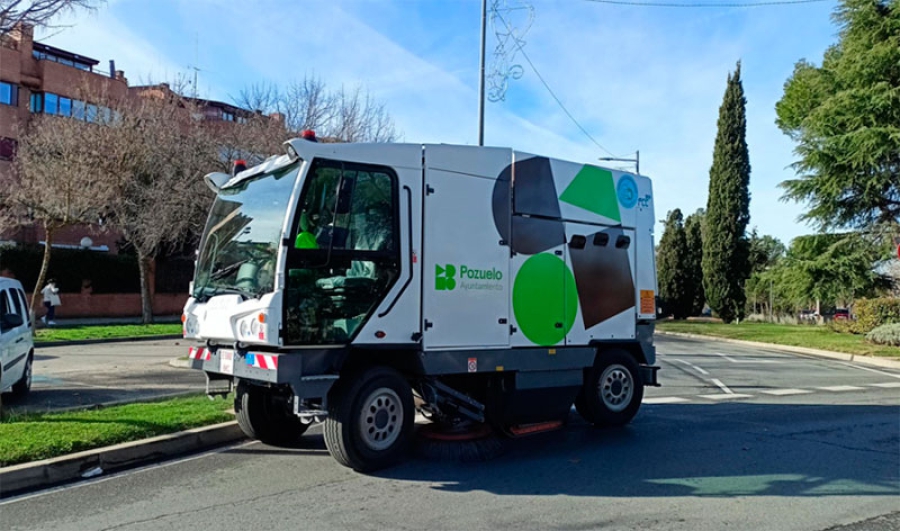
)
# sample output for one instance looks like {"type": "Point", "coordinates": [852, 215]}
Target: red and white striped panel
{"type": "Point", "coordinates": [199, 353]}
{"type": "Point", "coordinates": [264, 361]}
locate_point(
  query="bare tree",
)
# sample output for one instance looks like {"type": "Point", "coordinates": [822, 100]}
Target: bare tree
{"type": "Point", "coordinates": [54, 185]}
{"type": "Point", "coordinates": [37, 12]}
{"type": "Point", "coordinates": [336, 115]}
{"type": "Point", "coordinates": [155, 155]}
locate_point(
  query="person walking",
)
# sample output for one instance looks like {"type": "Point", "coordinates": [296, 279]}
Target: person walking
{"type": "Point", "coordinates": [51, 301]}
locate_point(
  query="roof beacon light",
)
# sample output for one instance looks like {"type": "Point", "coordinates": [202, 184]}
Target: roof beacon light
{"type": "Point", "coordinates": [239, 166]}
{"type": "Point", "coordinates": [309, 134]}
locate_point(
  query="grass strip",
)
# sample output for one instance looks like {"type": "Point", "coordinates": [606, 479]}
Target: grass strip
{"type": "Point", "coordinates": [86, 332]}
{"type": "Point", "coordinates": [809, 336]}
{"type": "Point", "coordinates": [34, 436]}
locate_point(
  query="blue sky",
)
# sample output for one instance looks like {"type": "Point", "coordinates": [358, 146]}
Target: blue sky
{"type": "Point", "coordinates": [636, 78]}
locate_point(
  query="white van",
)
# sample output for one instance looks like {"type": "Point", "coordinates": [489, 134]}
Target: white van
{"type": "Point", "coordinates": [16, 340]}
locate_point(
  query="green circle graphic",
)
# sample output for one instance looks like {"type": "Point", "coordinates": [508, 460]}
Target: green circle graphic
{"type": "Point", "coordinates": [545, 299]}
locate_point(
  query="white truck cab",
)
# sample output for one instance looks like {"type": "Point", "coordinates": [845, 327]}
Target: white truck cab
{"type": "Point", "coordinates": [340, 281]}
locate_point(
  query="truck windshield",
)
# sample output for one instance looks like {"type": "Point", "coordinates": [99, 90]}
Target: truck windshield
{"type": "Point", "coordinates": [240, 243]}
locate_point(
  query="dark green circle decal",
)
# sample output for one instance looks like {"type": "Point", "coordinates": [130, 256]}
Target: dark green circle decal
{"type": "Point", "coordinates": [545, 299]}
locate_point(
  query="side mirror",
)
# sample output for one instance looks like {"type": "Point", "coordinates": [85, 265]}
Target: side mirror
{"type": "Point", "coordinates": [11, 320]}
{"type": "Point", "coordinates": [216, 180]}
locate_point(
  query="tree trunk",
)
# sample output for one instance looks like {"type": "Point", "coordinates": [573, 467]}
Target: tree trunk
{"type": "Point", "coordinates": [42, 276]}
{"type": "Point", "coordinates": [146, 295]}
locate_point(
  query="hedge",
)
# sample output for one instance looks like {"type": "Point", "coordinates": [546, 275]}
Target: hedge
{"type": "Point", "coordinates": [888, 334]}
{"type": "Point", "coordinates": [107, 273]}
{"type": "Point", "coordinates": [870, 314]}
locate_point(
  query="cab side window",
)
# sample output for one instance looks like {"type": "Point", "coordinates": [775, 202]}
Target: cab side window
{"type": "Point", "coordinates": [25, 316]}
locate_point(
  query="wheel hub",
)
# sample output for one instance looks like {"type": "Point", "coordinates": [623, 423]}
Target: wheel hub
{"type": "Point", "coordinates": [381, 419]}
{"type": "Point", "coordinates": [616, 388]}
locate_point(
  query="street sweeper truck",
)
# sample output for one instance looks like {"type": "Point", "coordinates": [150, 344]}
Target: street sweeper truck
{"type": "Point", "coordinates": [482, 288]}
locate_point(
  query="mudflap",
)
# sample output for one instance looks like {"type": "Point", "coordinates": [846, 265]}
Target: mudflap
{"type": "Point", "coordinates": [648, 375]}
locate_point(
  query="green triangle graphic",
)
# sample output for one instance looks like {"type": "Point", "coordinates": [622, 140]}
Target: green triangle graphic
{"type": "Point", "coordinates": [593, 190]}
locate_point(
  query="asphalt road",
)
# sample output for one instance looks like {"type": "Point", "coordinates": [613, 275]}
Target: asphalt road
{"type": "Point", "coordinates": [737, 439]}
{"type": "Point", "coordinates": [79, 375]}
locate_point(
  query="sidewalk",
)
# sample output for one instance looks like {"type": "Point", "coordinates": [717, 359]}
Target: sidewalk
{"type": "Point", "coordinates": [89, 321]}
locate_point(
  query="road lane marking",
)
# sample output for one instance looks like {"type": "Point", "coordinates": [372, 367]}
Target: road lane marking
{"type": "Point", "coordinates": [891, 374]}
{"type": "Point", "coordinates": [751, 360]}
{"type": "Point", "coordinates": [786, 392]}
{"type": "Point", "coordinates": [725, 396]}
{"type": "Point", "coordinates": [665, 400]}
{"type": "Point", "coordinates": [888, 385]}
{"type": "Point", "coordinates": [691, 365]}
{"type": "Point", "coordinates": [839, 388]}
{"type": "Point", "coordinates": [722, 386]}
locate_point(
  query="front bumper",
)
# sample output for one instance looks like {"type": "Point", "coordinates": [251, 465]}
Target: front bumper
{"type": "Point", "coordinates": [227, 364]}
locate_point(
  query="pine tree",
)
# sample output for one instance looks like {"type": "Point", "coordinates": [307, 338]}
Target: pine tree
{"type": "Point", "coordinates": [693, 230]}
{"type": "Point", "coordinates": [725, 249]}
{"type": "Point", "coordinates": [673, 274]}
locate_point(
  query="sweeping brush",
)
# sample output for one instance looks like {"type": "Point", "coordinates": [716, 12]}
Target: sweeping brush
{"type": "Point", "coordinates": [463, 444]}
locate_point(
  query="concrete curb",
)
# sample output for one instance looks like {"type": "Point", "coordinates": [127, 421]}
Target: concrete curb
{"type": "Point", "coordinates": [841, 356]}
{"type": "Point", "coordinates": [25, 477]}
{"type": "Point", "coordinates": [45, 344]}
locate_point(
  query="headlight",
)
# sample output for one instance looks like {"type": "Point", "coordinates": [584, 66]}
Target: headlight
{"type": "Point", "coordinates": [245, 328]}
{"type": "Point", "coordinates": [254, 327]}
{"type": "Point", "coordinates": [191, 326]}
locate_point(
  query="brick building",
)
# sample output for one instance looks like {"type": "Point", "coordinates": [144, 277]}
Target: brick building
{"type": "Point", "coordinates": [37, 78]}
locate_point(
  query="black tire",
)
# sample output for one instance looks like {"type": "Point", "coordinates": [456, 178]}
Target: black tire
{"type": "Point", "coordinates": [264, 418]}
{"type": "Point", "coordinates": [370, 419]}
{"type": "Point", "coordinates": [23, 386]}
{"type": "Point", "coordinates": [612, 390]}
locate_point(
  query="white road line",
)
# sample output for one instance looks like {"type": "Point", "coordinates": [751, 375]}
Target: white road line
{"type": "Point", "coordinates": [888, 385]}
{"type": "Point", "coordinates": [665, 400]}
{"type": "Point", "coordinates": [691, 365]}
{"type": "Point", "coordinates": [725, 397]}
{"type": "Point", "coordinates": [786, 392]}
{"type": "Point", "coordinates": [891, 374]}
{"type": "Point", "coordinates": [751, 360]}
{"type": "Point", "coordinates": [839, 388]}
{"type": "Point", "coordinates": [721, 386]}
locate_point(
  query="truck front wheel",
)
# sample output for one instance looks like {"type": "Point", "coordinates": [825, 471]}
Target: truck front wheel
{"type": "Point", "coordinates": [263, 417]}
{"type": "Point", "coordinates": [612, 390]}
{"type": "Point", "coordinates": [370, 419]}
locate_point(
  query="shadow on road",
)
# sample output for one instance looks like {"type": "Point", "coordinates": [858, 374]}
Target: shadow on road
{"type": "Point", "coordinates": [42, 400]}
{"type": "Point", "coordinates": [694, 450]}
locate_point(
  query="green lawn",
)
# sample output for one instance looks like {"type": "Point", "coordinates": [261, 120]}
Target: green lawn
{"type": "Point", "coordinates": [30, 437]}
{"type": "Point", "coordinates": [74, 333]}
{"type": "Point", "coordinates": [810, 336]}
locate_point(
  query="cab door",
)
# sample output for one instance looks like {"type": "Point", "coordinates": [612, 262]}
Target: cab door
{"type": "Point", "coordinates": [14, 344]}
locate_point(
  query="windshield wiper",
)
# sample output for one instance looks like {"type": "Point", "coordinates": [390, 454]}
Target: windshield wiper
{"type": "Point", "coordinates": [227, 270]}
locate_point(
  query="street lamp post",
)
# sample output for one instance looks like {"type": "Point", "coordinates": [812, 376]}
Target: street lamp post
{"type": "Point", "coordinates": [481, 76]}
{"type": "Point", "coordinates": [636, 160]}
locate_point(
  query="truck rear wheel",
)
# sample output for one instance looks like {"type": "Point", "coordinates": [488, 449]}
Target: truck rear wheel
{"type": "Point", "coordinates": [262, 417]}
{"type": "Point", "coordinates": [612, 390]}
{"type": "Point", "coordinates": [370, 419]}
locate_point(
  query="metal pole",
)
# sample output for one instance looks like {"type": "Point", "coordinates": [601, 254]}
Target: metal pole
{"type": "Point", "coordinates": [637, 162]}
{"type": "Point", "coordinates": [481, 77]}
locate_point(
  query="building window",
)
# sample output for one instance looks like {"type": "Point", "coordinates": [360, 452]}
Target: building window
{"type": "Point", "coordinates": [51, 103]}
{"type": "Point", "coordinates": [65, 106]}
{"type": "Point", "coordinates": [9, 94]}
{"type": "Point", "coordinates": [36, 104]}
{"type": "Point", "coordinates": [78, 109]}
{"type": "Point", "coordinates": [45, 56]}
{"type": "Point", "coordinates": [8, 147]}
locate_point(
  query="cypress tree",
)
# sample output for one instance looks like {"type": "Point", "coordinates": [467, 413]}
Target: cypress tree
{"type": "Point", "coordinates": [693, 231]}
{"type": "Point", "coordinates": [673, 275]}
{"type": "Point", "coordinates": [725, 249]}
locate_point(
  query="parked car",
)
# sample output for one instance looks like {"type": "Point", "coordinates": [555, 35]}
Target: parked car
{"type": "Point", "coordinates": [16, 339]}
{"type": "Point", "coordinates": [841, 314]}
{"type": "Point", "coordinates": [807, 315]}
